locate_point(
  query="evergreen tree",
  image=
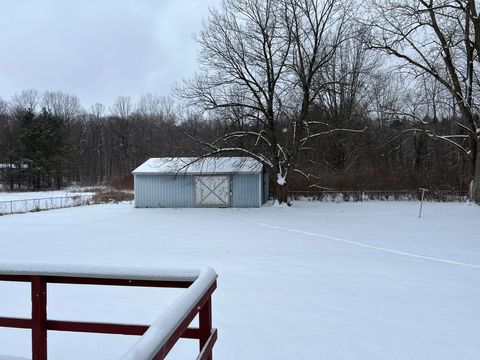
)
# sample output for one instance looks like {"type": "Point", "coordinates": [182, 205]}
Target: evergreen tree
{"type": "Point", "coordinates": [44, 148]}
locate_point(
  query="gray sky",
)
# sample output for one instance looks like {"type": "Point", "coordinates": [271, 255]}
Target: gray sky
{"type": "Point", "coordinates": [98, 49]}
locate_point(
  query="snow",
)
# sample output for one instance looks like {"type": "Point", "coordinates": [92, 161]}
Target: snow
{"type": "Point", "coordinates": [191, 165]}
{"type": "Point", "coordinates": [277, 204]}
{"type": "Point", "coordinates": [158, 334]}
{"type": "Point", "coordinates": [9, 196]}
{"type": "Point", "coordinates": [21, 202]}
{"type": "Point", "coordinates": [96, 271]}
{"type": "Point", "coordinates": [160, 331]}
{"type": "Point", "coordinates": [280, 180]}
{"type": "Point", "coordinates": [316, 280]}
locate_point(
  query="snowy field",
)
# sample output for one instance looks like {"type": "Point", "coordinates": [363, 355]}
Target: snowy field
{"type": "Point", "coordinates": [9, 196]}
{"type": "Point", "coordinates": [20, 202]}
{"type": "Point", "coordinates": [316, 281]}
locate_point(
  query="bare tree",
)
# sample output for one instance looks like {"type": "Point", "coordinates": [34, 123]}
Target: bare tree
{"type": "Point", "coordinates": [386, 93]}
{"type": "Point", "coordinates": [122, 110]}
{"type": "Point", "coordinates": [61, 104]}
{"type": "Point", "coordinates": [438, 38]}
{"type": "Point", "coordinates": [26, 100]}
{"type": "Point", "coordinates": [262, 63]}
{"type": "Point", "coordinates": [122, 107]}
{"type": "Point", "coordinates": [155, 107]}
{"type": "Point", "coordinates": [3, 107]}
{"type": "Point", "coordinates": [97, 111]}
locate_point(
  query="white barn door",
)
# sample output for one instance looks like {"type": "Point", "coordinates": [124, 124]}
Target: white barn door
{"type": "Point", "coordinates": [213, 191]}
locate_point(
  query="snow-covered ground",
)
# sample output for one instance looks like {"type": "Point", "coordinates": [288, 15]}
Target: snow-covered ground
{"type": "Point", "coordinates": [9, 196]}
{"type": "Point", "coordinates": [315, 281]}
{"type": "Point", "coordinates": [19, 202]}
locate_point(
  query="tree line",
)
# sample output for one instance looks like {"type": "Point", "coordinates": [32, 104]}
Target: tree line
{"type": "Point", "coordinates": [43, 147]}
{"type": "Point", "coordinates": [324, 94]}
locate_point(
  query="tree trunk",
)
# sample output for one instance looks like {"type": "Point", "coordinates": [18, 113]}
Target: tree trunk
{"type": "Point", "coordinates": [476, 177]}
{"type": "Point", "coordinates": [280, 178]}
{"type": "Point", "coordinates": [281, 193]}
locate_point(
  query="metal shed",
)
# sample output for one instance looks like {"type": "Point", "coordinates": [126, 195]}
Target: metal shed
{"type": "Point", "coordinates": [207, 182]}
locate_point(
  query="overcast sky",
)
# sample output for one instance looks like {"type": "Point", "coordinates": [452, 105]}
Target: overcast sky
{"type": "Point", "coordinates": [98, 49]}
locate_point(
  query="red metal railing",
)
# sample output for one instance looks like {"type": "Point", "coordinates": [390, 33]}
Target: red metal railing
{"type": "Point", "coordinates": [172, 325]}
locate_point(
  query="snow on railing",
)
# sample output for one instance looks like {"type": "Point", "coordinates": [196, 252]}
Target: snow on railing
{"type": "Point", "coordinates": [156, 340]}
{"type": "Point", "coordinates": [30, 205]}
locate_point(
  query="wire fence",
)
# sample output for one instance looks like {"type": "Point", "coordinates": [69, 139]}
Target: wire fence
{"type": "Point", "coordinates": [40, 204]}
{"type": "Point", "coordinates": [381, 195]}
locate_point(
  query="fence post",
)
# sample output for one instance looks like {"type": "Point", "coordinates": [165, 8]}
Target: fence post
{"type": "Point", "coordinates": [11, 207]}
{"type": "Point", "coordinates": [421, 202]}
{"type": "Point", "coordinates": [205, 324]}
{"type": "Point", "coordinates": [39, 318]}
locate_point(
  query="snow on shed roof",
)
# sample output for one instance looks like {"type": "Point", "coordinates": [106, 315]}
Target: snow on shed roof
{"type": "Point", "coordinates": [193, 165]}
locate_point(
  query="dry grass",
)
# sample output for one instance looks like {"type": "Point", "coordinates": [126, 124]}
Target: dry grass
{"type": "Point", "coordinates": [91, 190]}
{"type": "Point", "coordinates": [111, 196]}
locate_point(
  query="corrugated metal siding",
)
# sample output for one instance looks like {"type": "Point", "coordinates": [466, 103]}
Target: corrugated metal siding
{"type": "Point", "coordinates": [179, 191]}
{"type": "Point", "coordinates": [246, 190]}
{"type": "Point", "coordinates": [164, 191]}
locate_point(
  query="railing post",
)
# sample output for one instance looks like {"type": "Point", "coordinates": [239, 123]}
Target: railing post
{"type": "Point", "coordinates": [205, 323]}
{"type": "Point", "coordinates": [39, 318]}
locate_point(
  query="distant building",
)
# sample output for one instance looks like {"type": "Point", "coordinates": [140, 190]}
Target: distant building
{"type": "Point", "coordinates": [207, 182]}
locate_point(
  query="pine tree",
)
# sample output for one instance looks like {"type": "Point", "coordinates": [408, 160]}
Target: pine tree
{"type": "Point", "coordinates": [44, 148]}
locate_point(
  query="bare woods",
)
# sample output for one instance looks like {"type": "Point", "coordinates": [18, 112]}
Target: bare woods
{"type": "Point", "coordinates": [327, 94]}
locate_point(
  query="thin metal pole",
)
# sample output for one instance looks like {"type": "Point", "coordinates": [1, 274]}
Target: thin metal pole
{"type": "Point", "coordinates": [421, 202]}
{"type": "Point", "coordinates": [39, 318]}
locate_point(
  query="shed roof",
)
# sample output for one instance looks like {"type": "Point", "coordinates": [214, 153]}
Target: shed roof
{"type": "Point", "coordinates": [196, 166]}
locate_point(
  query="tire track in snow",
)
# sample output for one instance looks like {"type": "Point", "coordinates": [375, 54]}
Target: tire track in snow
{"type": "Point", "coordinates": [350, 242]}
